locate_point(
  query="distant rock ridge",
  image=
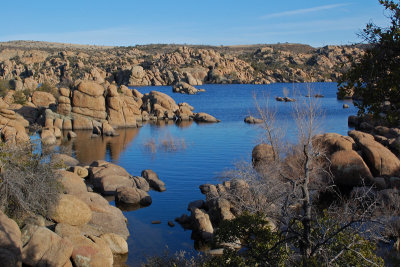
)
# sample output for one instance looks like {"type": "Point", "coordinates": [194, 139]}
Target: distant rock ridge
{"type": "Point", "coordinates": [31, 63]}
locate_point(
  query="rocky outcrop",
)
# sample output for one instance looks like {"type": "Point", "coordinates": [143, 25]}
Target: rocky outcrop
{"type": "Point", "coordinates": [349, 169]}
{"type": "Point", "coordinates": [85, 230]}
{"type": "Point", "coordinates": [46, 248]}
{"type": "Point", "coordinates": [12, 126]}
{"type": "Point", "coordinates": [184, 88]}
{"type": "Point", "coordinates": [123, 109]}
{"type": "Point", "coordinates": [71, 210]}
{"type": "Point", "coordinates": [153, 180]}
{"type": "Point", "coordinates": [88, 100]}
{"type": "Point", "coordinates": [170, 64]}
{"type": "Point", "coordinates": [380, 159]}
{"type": "Point", "coordinates": [105, 218]}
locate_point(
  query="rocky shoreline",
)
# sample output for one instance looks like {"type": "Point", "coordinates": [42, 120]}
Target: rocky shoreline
{"type": "Point", "coordinates": [83, 229]}
{"type": "Point", "coordinates": [100, 108]}
{"type": "Point", "coordinates": [368, 158]}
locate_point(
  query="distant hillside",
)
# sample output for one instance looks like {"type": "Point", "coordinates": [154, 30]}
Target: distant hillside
{"type": "Point", "coordinates": [33, 62]}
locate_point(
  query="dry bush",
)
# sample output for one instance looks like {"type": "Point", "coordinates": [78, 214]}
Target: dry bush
{"type": "Point", "coordinates": [28, 184]}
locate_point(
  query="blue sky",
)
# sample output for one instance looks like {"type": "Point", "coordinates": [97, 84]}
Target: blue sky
{"type": "Point", "coordinates": [217, 22]}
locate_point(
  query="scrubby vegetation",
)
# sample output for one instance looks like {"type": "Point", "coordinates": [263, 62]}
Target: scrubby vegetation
{"type": "Point", "coordinates": [19, 97]}
{"type": "Point", "coordinates": [5, 86]}
{"type": "Point", "coordinates": [28, 184]}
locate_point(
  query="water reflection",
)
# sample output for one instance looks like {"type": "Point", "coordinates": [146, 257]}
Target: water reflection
{"type": "Point", "coordinates": [184, 124]}
{"type": "Point", "coordinates": [88, 148]}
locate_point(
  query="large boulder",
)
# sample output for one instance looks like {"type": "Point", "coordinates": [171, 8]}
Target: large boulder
{"type": "Point", "coordinates": [204, 117]}
{"type": "Point", "coordinates": [137, 76]}
{"type": "Point", "coordinates": [108, 177]}
{"type": "Point", "coordinates": [88, 100]}
{"type": "Point", "coordinates": [163, 100]}
{"type": "Point", "coordinates": [132, 196]}
{"type": "Point", "coordinates": [262, 154]}
{"type": "Point", "coordinates": [90, 251]}
{"type": "Point", "coordinates": [13, 127]}
{"type": "Point", "coordinates": [10, 242]}
{"type": "Point", "coordinates": [349, 169]}
{"type": "Point", "coordinates": [64, 159]}
{"type": "Point", "coordinates": [381, 161]}
{"type": "Point", "coordinates": [333, 142]}
{"type": "Point", "coordinates": [111, 183]}
{"type": "Point", "coordinates": [219, 209]}
{"type": "Point", "coordinates": [46, 248]}
{"type": "Point", "coordinates": [153, 180]}
{"type": "Point", "coordinates": [91, 88]}
{"type": "Point", "coordinates": [71, 210]}
{"type": "Point", "coordinates": [47, 137]}
{"type": "Point", "coordinates": [81, 123]}
{"type": "Point", "coordinates": [71, 182]}
{"type": "Point", "coordinates": [105, 218]}
{"type": "Point", "coordinates": [202, 223]}
{"type": "Point", "coordinates": [43, 99]}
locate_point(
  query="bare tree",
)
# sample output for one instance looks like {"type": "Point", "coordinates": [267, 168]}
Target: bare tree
{"type": "Point", "coordinates": [287, 188]}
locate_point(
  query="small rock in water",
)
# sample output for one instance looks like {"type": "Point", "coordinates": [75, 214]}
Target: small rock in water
{"type": "Point", "coordinates": [171, 224]}
{"type": "Point", "coordinates": [155, 222]}
{"type": "Point", "coordinates": [252, 120]}
{"type": "Point", "coordinates": [345, 106]}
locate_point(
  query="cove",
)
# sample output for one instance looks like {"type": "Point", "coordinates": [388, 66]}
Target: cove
{"type": "Point", "coordinates": [209, 150]}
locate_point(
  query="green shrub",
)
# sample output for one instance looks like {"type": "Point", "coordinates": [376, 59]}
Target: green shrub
{"type": "Point", "coordinates": [264, 247]}
{"type": "Point", "coordinates": [19, 97]}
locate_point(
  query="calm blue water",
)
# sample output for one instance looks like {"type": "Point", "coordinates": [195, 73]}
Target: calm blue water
{"type": "Point", "coordinates": [210, 149]}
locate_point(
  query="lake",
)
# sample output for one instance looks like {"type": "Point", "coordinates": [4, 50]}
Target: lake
{"type": "Point", "coordinates": [208, 150]}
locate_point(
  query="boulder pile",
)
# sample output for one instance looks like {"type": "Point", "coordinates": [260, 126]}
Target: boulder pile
{"type": "Point", "coordinates": [82, 229]}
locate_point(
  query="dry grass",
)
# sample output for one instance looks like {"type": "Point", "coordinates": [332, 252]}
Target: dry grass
{"type": "Point", "coordinates": [167, 143]}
